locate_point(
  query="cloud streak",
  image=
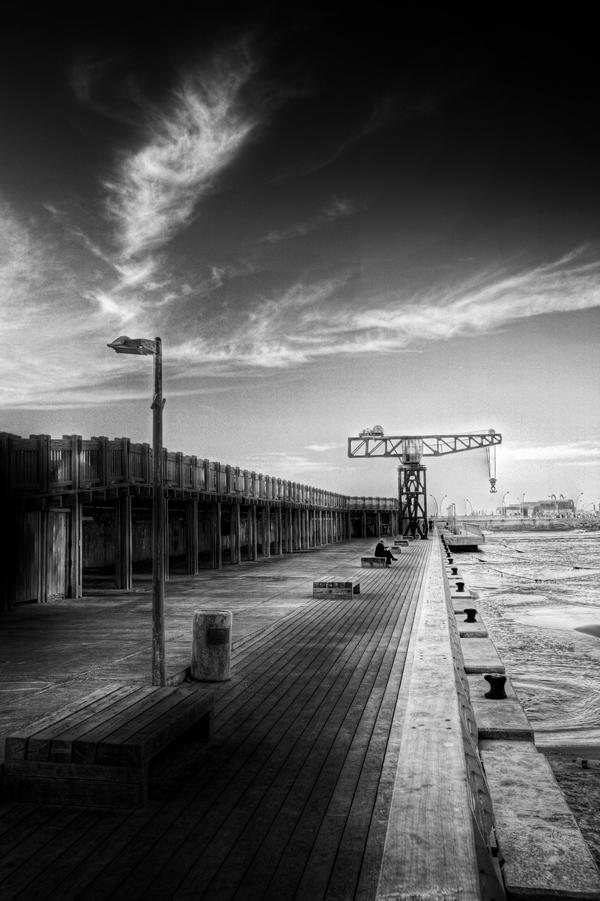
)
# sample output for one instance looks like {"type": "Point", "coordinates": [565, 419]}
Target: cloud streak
{"type": "Point", "coordinates": [336, 209]}
{"type": "Point", "coordinates": [573, 453]}
{"type": "Point", "coordinates": [336, 316]}
{"type": "Point", "coordinates": [156, 189]}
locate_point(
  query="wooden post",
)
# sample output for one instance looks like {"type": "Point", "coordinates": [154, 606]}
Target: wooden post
{"type": "Point", "coordinates": [159, 551]}
{"type": "Point", "coordinates": [216, 549]}
{"type": "Point", "coordinates": [122, 543]}
{"type": "Point", "coordinates": [266, 536]}
{"type": "Point", "coordinates": [191, 536]}
{"type": "Point", "coordinates": [236, 533]}
{"type": "Point", "coordinates": [252, 533]}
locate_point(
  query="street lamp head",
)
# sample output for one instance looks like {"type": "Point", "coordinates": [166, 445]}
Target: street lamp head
{"type": "Point", "coordinates": [138, 346]}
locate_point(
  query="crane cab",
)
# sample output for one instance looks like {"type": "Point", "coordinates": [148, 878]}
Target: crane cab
{"type": "Point", "coordinates": [411, 452]}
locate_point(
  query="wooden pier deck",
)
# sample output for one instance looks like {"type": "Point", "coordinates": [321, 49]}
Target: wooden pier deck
{"type": "Point", "coordinates": [291, 797]}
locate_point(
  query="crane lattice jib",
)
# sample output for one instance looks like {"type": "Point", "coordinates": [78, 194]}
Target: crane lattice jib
{"type": "Point", "coordinates": [428, 445]}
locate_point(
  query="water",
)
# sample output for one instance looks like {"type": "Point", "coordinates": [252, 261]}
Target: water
{"type": "Point", "coordinates": [539, 594]}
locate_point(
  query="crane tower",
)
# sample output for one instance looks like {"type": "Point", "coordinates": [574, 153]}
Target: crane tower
{"type": "Point", "coordinates": [409, 449]}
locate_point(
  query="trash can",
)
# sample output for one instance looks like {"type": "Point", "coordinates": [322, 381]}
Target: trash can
{"type": "Point", "coordinates": [211, 646]}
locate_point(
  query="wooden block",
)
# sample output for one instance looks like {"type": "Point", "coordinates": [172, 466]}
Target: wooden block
{"type": "Point", "coordinates": [150, 737]}
{"type": "Point", "coordinates": [61, 740]}
{"type": "Point", "coordinates": [543, 850]}
{"type": "Point", "coordinates": [498, 719]}
{"type": "Point", "coordinates": [16, 744]}
{"type": "Point", "coordinates": [85, 791]}
{"type": "Point", "coordinates": [372, 562]}
{"type": "Point", "coordinates": [480, 656]}
{"type": "Point", "coordinates": [85, 745]}
{"type": "Point", "coordinates": [335, 589]}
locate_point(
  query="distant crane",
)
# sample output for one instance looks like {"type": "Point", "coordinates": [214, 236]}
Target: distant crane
{"type": "Point", "coordinates": [409, 449]}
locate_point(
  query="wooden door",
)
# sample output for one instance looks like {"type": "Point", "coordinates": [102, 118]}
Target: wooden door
{"type": "Point", "coordinates": [57, 581]}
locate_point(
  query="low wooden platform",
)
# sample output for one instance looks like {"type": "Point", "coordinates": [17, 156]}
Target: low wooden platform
{"type": "Point", "coordinates": [373, 562]}
{"type": "Point", "coordinates": [97, 752]}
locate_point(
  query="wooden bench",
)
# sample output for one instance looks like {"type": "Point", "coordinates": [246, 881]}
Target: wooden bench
{"type": "Point", "coordinates": [96, 752]}
{"type": "Point", "coordinates": [372, 562]}
{"type": "Point", "coordinates": [335, 589]}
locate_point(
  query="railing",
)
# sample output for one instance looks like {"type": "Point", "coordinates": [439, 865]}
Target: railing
{"type": "Point", "coordinates": [41, 464]}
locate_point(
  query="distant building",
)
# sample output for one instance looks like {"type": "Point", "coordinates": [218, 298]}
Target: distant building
{"type": "Point", "coordinates": [563, 509]}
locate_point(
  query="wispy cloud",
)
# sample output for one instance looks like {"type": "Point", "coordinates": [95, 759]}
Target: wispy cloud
{"type": "Point", "coordinates": [335, 209]}
{"type": "Point", "coordinates": [183, 145]}
{"type": "Point", "coordinates": [321, 448]}
{"type": "Point", "coordinates": [574, 453]}
{"type": "Point", "coordinates": [338, 316]}
{"type": "Point", "coordinates": [189, 141]}
{"type": "Point", "coordinates": [287, 463]}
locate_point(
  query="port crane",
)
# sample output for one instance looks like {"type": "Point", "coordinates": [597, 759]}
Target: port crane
{"type": "Point", "coordinates": [409, 449]}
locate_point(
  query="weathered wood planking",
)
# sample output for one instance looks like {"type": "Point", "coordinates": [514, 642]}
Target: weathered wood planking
{"type": "Point", "coordinates": [303, 731]}
{"type": "Point", "coordinates": [430, 849]}
{"type": "Point", "coordinates": [340, 666]}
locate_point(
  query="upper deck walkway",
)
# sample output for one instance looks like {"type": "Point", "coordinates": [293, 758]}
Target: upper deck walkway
{"type": "Point", "coordinates": [291, 797]}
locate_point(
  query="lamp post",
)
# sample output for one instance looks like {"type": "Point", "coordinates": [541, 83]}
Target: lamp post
{"type": "Point", "coordinates": [437, 511]}
{"type": "Point", "coordinates": [147, 347]}
{"type": "Point", "coordinates": [502, 507]}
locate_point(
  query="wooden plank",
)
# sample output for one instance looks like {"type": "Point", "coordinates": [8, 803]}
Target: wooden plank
{"type": "Point", "coordinates": [61, 740]}
{"type": "Point", "coordinates": [84, 747]}
{"type": "Point", "coordinates": [67, 771]}
{"type": "Point", "coordinates": [543, 850]}
{"type": "Point", "coordinates": [16, 744]}
{"type": "Point", "coordinates": [39, 745]}
{"type": "Point", "coordinates": [430, 849]}
{"type": "Point", "coordinates": [77, 792]}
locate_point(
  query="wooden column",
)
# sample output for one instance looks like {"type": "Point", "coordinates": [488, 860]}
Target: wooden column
{"type": "Point", "coordinates": [191, 537]}
{"type": "Point", "coordinates": [215, 535]}
{"type": "Point", "coordinates": [167, 538]}
{"type": "Point", "coordinates": [236, 533]}
{"type": "Point", "coordinates": [252, 534]}
{"type": "Point", "coordinates": [279, 532]}
{"type": "Point", "coordinates": [266, 531]}
{"type": "Point", "coordinates": [122, 534]}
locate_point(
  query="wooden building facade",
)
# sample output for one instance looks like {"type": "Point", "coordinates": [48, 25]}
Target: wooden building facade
{"type": "Point", "coordinates": [79, 515]}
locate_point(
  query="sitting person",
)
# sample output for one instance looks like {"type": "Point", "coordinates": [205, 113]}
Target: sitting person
{"type": "Point", "coordinates": [382, 551]}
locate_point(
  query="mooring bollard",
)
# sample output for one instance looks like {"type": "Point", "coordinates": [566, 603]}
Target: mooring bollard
{"type": "Point", "coordinates": [497, 684]}
{"type": "Point", "coordinates": [471, 614]}
{"type": "Point", "coordinates": [211, 646]}
{"type": "Point", "coordinates": [455, 570]}
{"type": "Point", "coordinates": [460, 586]}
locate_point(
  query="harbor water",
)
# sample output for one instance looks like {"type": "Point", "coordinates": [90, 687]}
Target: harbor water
{"type": "Point", "coordinates": [539, 595]}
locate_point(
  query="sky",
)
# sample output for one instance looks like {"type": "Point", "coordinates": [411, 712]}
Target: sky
{"type": "Point", "coordinates": [332, 220]}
